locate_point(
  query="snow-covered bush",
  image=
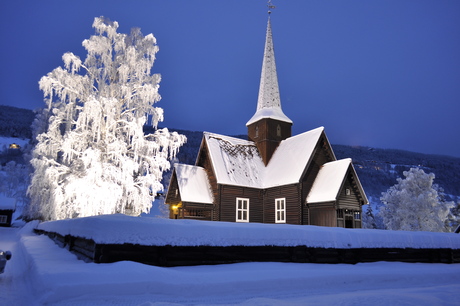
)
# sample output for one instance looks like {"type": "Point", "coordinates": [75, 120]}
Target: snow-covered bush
{"type": "Point", "coordinates": [415, 204]}
{"type": "Point", "coordinates": [92, 156]}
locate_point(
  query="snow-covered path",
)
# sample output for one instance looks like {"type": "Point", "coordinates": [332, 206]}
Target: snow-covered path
{"type": "Point", "coordinates": [41, 273]}
{"type": "Point", "coordinates": [15, 285]}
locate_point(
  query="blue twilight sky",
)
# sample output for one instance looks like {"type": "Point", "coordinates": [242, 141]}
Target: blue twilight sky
{"type": "Point", "coordinates": [381, 73]}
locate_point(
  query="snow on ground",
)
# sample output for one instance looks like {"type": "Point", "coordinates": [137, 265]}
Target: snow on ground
{"type": "Point", "coordinates": [157, 231]}
{"type": "Point", "coordinates": [41, 273]}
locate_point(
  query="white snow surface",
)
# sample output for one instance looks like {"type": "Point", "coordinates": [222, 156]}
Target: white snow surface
{"type": "Point", "coordinates": [119, 229]}
{"type": "Point", "coordinates": [41, 273]}
{"type": "Point", "coordinates": [7, 203]}
{"type": "Point", "coordinates": [328, 182]}
{"type": "Point", "coordinates": [237, 162]}
{"type": "Point", "coordinates": [269, 112]}
{"type": "Point", "coordinates": [193, 184]}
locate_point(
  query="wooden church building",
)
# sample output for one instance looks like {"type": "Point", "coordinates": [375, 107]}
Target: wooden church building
{"type": "Point", "coordinates": [273, 177]}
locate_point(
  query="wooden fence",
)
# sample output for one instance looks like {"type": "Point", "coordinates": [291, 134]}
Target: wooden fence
{"type": "Point", "coordinates": [168, 256]}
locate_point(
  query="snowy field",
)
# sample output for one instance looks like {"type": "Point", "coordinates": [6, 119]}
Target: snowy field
{"type": "Point", "coordinates": [41, 273]}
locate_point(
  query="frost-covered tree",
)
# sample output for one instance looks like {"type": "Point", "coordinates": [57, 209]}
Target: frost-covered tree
{"type": "Point", "coordinates": [92, 156]}
{"type": "Point", "coordinates": [369, 219]}
{"type": "Point", "coordinates": [414, 204]}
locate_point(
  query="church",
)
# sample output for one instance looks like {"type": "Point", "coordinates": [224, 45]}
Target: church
{"type": "Point", "coordinates": [273, 177]}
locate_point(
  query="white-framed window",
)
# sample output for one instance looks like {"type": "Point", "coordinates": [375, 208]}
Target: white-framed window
{"type": "Point", "coordinates": [242, 210]}
{"type": "Point", "coordinates": [280, 210]}
{"type": "Point", "coordinates": [3, 219]}
{"type": "Point", "coordinates": [357, 215]}
{"type": "Point", "coordinates": [347, 191]}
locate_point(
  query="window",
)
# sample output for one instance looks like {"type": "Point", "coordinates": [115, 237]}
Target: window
{"type": "Point", "coordinates": [347, 192]}
{"type": "Point", "coordinates": [242, 210]}
{"type": "Point", "coordinates": [280, 210]}
{"type": "Point", "coordinates": [357, 215]}
{"type": "Point", "coordinates": [340, 213]}
{"type": "Point", "coordinates": [278, 131]}
{"type": "Point", "coordinates": [257, 131]}
{"type": "Point", "coordinates": [3, 219]}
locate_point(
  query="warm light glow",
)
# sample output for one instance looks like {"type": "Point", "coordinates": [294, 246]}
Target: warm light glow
{"type": "Point", "coordinates": [175, 208]}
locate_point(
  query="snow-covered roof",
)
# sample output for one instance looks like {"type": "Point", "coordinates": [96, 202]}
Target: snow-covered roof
{"type": "Point", "coordinates": [193, 184]}
{"type": "Point", "coordinates": [272, 112]}
{"type": "Point", "coordinates": [291, 157]}
{"type": "Point", "coordinates": [326, 186]}
{"type": "Point", "coordinates": [238, 162]}
{"type": "Point", "coordinates": [328, 181]}
{"type": "Point", "coordinates": [235, 161]}
{"type": "Point", "coordinates": [7, 203]}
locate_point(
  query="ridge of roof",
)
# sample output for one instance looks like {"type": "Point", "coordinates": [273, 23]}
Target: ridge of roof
{"type": "Point", "coordinates": [238, 162]}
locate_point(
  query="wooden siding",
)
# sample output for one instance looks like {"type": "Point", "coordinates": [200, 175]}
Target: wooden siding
{"type": "Point", "coordinates": [173, 195]}
{"type": "Point", "coordinates": [228, 203]}
{"type": "Point", "coordinates": [293, 207]}
{"type": "Point", "coordinates": [196, 211]}
{"type": "Point", "coordinates": [350, 201]}
{"type": "Point", "coordinates": [321, 155]}
{"type": "Point", "coordinates": [323, 214]}
{"type": "Point", "coordinates": [265, 134]}
{"type": "Point", "coordinates": [204, 160]}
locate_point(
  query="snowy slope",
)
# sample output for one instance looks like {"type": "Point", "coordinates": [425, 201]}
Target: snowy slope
{"type": "Point", "coordinates": [41, 273]}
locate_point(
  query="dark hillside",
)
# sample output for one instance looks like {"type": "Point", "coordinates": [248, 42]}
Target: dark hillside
{"type": "Point", "coordinates": [378, 169]}
{"type": "Point", "coordinates": [15, 122]}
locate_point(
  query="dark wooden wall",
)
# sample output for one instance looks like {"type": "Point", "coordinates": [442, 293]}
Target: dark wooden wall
{"type": "Point", "coordinates": [265, 134]}
{"type": "Point", "coordinates": [204, 161]}
{"type": "Point", "coordinates": [323, 214]}
{"type": "Point", "coordinates": [168, 255]}
{"type": "Point", "coordinates": [228, 203]}
{"type": "Point", "coordinates": [293, 203]}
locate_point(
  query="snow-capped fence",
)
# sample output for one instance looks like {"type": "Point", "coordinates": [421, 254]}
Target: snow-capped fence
{"type": "Point", "coordinates": [161, 242]}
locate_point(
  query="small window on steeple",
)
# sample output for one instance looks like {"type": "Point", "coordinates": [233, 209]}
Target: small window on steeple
{"type": "Point", "coordinates": [278, 131]}
{"type": "Point", "coordinates": [257, 131]}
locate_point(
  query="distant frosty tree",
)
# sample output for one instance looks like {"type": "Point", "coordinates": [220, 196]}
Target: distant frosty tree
{"type": "Point", "coordinates": [92, 156]}
{"type": "Point", "coordinates": [414, 204]}
{"type": "Point", "coordinates": [369, 219]}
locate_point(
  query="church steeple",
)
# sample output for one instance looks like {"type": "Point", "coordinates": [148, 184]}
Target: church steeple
{"type": "Point", "coordinates": [269, 125]}
{"type": "Point", "coordinates": [269, 102]}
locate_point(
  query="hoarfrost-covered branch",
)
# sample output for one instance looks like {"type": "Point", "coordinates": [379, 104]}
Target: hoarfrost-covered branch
{"type": "Point", "coordinates": [93, 158]}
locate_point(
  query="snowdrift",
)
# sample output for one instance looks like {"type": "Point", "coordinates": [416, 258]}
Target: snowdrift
{"type": "Point", "coordinates": [122, 229]}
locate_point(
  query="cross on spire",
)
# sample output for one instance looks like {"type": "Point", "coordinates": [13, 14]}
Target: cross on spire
{"type": "Point", "coordinates": [270, 6]}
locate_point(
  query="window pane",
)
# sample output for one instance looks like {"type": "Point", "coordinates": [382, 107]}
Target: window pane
{"type": "Point", "coordinates": [245, 215]}
{"type": "Point", "coordinates": [282, 216]}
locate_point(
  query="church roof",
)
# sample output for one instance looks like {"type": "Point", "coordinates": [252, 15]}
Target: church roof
{"type": "Point", "coordinates": [235, 161]}
{"type": "Point", "coordinates": [269, 102]}
{"type": "Point", "coordinates": [329, 180]}
{"type": "Point", "coordinates": [238, 162]}
{"type": "Point", "coordinates": [193, 184]}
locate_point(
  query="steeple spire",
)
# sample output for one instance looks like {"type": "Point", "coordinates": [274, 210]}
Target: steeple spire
{"type": "Point", "coordinates": [269, 103]}
{"type": "Point", "coordinates": [269, 125]}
